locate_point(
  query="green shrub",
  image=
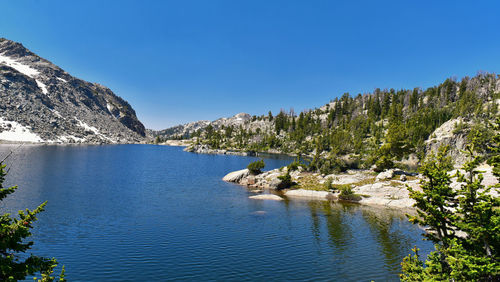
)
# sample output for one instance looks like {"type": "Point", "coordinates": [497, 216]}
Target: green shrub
{"type": "Point", "coordinates": [347, 194]}
{"type": "Point", "coordinates": [383, 163]}
{"type": "Point", "coordinates": [332, 164]}
{"type": "Point", "coordinates": [256, 167]}
{"type": "Point", "coordinates": [460, 127]}
{"type": "Point", "coordinates": [286, 181]}
{"type": "Point", "coordinates": [328, 184]}
{"type": "Point", "coordinates": [295, 165]}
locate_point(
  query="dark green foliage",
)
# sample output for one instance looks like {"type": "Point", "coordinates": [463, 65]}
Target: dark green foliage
{"type": "Point", "coordinates": [329, 184]}
{"type": "Point", "coordinates": [14, 264]}
{"type": "Point", "coordinates": [479, 218]}
{"type": "Point", "coordinates": [481, 135]}
{"type": "Point", "coordinates": [157, 140]}
{"type": "Point", "coordinates": [281, 122]}
{"type": "Point", "coordinates": [256, 167]}
{"type": "Point", "coordinates": [329, 165]}
{"type": "Point", "coordinates": [295, 165]}
{"type": "Point", "coordinates": [346, 194]}
{"type": "Point", "coordinates": [460, 128]}
{"type": "Point", "coordinates": [381, 128]}
{"type": "Point", "coordinates": [436, 198]}
{"type": "Point", "coordinates": [286, 181]}
{"type": "Point", "coordinates": [470, 210]}
{"type": "Point", "coordinates": [494, 160]}
{"type": "Point", "coordinates": [383, 162]}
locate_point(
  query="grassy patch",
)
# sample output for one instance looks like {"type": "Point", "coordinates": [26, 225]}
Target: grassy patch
{"type": "Point", "coordinates": [346, 194]}
{"type": "Point", "coordinates": [364, 182]}
{"type": "Point", "coordinates": [351, 197]}
{"type": "Point", "coordinates": [310, 182]}
{"type": "Point", "coordinates": [341, 187]}
{"type": "Point", "coordinates": [410, 178]}
{"type": "Point", "coordinates": [396, 184]}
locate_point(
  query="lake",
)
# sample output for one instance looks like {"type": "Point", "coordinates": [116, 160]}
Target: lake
{"type": "Point", "coordinates": [156, 213]}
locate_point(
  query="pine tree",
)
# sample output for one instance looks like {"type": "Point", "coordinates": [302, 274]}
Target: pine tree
{"type": "Point", "coordinates": [437, 197]}
{"type": "Point", "coordinates": [13, 232]}
{"type": "Point", "coordinates": [472, 210]}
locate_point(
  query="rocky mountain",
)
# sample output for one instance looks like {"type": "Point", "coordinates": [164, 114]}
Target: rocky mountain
{"type": "Point", "coordinates": [186, 130]}
{"type": "Point", "coordinates": [181, 130]}
{"type": "Point", "coordinates": [40, 102]}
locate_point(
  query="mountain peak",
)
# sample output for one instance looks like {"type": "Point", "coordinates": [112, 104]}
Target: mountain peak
{"type": "Point", "coordinates": [40, 98]}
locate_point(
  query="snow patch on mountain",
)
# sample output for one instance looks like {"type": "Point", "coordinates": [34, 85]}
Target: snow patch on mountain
{"type": "Point", "coordinates": [42, 86]}
{"type": "Point", "coordinates": [87, 127]}
{"type": "Point", "coordinates": [13, 131]}
{"type": "Point", "coordinates": [22, 68]}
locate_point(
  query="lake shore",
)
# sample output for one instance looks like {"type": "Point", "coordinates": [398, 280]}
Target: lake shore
{"type": "Point", "coordinates": [388, 188]}
{"type": "Point", "coordinates": [205, 149]}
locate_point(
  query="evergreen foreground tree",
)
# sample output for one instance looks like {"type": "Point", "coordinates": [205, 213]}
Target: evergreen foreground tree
{"type": "Point", "coordinates": [256, 167]}
{"type": "Point", "coordinates": [464, 224]}
{"type": "Point", "coordinates": [14, 264]}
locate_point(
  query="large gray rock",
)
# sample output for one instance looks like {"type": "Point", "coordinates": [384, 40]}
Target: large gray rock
{"type": "Point", "coordinates": [274, 183]}
{"type": "Point", "coordinates": [236, 176]}
{"type": "Point", "coordinates": [385, 175]}
{"type": "Point", "coordinates": [446, 135]}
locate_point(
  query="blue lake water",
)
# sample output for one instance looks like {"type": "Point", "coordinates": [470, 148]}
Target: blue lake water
{"type": "Point", "coordinates": [156, 213]}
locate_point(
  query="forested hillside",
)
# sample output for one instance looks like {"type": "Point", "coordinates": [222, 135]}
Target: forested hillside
{"type": "Point", "coordinates": [378, 128]}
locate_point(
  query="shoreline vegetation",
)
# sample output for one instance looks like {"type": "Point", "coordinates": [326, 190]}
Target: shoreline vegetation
{"type": "Point", "coordinates": [387, 188]}
{"type": "Point", "coordinates": [368, 187]}
{"type": "Point", "coordinates": [367, 148]}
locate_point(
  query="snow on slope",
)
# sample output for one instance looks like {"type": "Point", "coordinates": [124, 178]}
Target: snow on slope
{"type": "Point", "coordinates": [25, 69]}
{"type": "Point", "coordinates": [13, 131]}
{"type": "Point", "coordinates": [42, 86]}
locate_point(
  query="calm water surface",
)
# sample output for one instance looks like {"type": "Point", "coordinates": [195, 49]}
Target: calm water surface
{"type": "Point", "coordinates": [156, 213]}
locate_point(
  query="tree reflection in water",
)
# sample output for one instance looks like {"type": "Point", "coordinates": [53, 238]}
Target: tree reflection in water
{"type": "Point", "coordinates": [353, 229]}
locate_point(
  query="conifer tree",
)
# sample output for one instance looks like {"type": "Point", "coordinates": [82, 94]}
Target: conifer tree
{"type": "Point", "coordinates": [474, 254]}
{"type": "Point", "coordinates": [437, 197]}
{"type": "Point", "coordinates": [13, 234]}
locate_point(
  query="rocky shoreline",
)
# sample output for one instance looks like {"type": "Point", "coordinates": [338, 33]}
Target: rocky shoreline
{"type": "Point", "coordinates": [205, 149]}
{"type": "Point", "coordinates": [388, 188]}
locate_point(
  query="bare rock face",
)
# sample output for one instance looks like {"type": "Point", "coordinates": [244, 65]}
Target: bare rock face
{"type": "Point", "coordinates": [40, 102]}
{"type": "Point", "coordinates": [447, 135]}
{"type": "Point", "coordinates": [242, 119]}
{"type": "Point", "coordinates": [183, 130]}
{"type": "Point", "coordinates": [236, 176]}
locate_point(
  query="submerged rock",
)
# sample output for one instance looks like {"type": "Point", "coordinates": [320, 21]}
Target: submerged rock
{"type": "Point", "coordinates": [266, 197]}
{"type": "Point", "coordinates": [308, 194]}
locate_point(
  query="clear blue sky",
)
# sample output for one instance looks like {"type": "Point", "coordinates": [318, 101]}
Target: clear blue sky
{"type": "Point", "coordinates": [180, 61]}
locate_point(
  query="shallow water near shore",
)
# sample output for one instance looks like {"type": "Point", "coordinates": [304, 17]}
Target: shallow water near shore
{"type": "Point", "coordinates": [156, 213]}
